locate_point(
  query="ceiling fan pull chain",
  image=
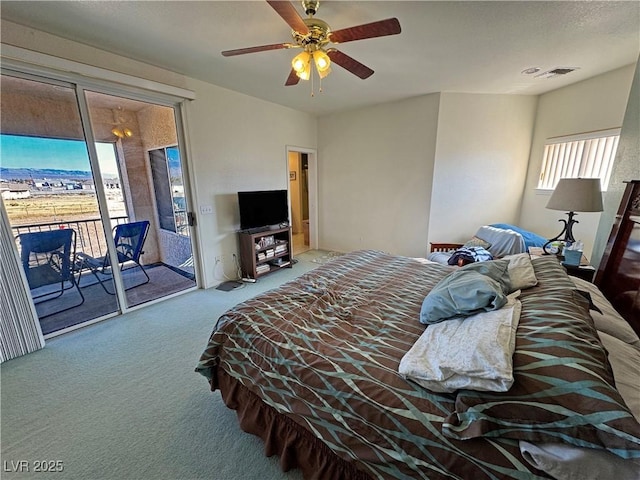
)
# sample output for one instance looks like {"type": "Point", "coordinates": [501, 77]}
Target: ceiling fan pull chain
{"type": "Point", "coordinates": [311, 75]}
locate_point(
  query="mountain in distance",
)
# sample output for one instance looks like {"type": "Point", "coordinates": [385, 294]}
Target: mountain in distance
{"type": "Point", "coordinates": [42, 173]}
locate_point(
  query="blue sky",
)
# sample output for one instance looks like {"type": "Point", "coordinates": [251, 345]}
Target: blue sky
{"type": "Point", "coordinates": [35, 152]}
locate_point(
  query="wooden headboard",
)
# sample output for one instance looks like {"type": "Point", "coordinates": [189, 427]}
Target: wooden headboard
{"type": "Point", "coordinates": [618, 275]}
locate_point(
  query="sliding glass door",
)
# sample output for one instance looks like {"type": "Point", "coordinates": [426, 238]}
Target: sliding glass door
{"type": "Point", "coordinates": [88, 163]}
{"type": "Point", "coordinates": [48, 186]}
{"type": "Point", "coordinates": [149, 190]}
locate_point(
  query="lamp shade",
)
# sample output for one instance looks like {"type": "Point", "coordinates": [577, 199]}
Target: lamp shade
{"type": "Point", "coordinates": [577, 195]}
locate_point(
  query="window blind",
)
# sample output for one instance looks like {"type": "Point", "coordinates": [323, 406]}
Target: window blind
{"type": "Point", "coordinates": [588, 155]}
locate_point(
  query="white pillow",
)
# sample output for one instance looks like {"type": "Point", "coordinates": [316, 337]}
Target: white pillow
{"type": "Point", "coordinates": [474, 353]}
{"type": "Point", "coordinates": [625, 363]}
{"type": "Point", "coordinates": [521, 271]}
{"type": "Point", "coordinates": [568, 462]}
{"type": "Point", "coordinates": [609, 321]}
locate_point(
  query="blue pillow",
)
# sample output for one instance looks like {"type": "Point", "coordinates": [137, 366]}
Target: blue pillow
{"type": "Point", "coordinates": [460, 294]}
{"type": "Point", "coordinates": [497, 270]}
{"type": "Point", "coordinates": [530, 239]}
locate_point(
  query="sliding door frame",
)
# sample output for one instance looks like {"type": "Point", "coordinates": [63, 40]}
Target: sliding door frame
{"type": "Point", "coordinates": [90, 140]}
{"type": "Point", "coordinates": [156, 95]}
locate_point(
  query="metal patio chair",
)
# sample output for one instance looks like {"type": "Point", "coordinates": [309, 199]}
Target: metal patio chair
{"type": "Point", "coordinates": [48, 259]}
{"type": "Point", "coordinates": [129, 239]}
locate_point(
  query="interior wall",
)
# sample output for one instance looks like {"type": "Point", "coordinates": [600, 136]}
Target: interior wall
{"type": "Point", "coordinates": [38, 41]}
{"type": "Point", "coordinates": [481, 162]}
{"type": "Point", "coordinates": [626, 167]}
{"type": "Point", "coordinates": [237, 143]}
{"type": "Point", "coordinates": [594, 104]}
{"type": "Point", "coordinates": [375, 168]}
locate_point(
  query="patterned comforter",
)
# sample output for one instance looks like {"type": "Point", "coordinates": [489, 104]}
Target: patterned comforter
{"type": "Point", "coordinates": [324, 351]}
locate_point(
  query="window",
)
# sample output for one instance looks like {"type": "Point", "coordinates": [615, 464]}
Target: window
{"type": "Point", "coordinates": [166, 171]}
{"type": "Point", "coordinates": [587, 155]}
{"type": "Point", "coordinates": [52, 177]}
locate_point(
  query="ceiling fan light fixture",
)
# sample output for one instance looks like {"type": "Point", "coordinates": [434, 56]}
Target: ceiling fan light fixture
{"type": "Point", "coordinates": [300, 62]}
{"type": "Point", "coordinates": [324, 73]}
{"type": "Point", "coordinates": [322, 61]}
{"type": "Point", "coordinates": [306, 73]}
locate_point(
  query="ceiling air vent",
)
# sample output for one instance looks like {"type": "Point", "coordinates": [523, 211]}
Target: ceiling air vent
{"type": "Point", "coordinates": [556, 71]}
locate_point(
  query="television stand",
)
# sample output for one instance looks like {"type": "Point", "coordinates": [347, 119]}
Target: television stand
{"type": "Point", "coordinates": [255, 230]}
{"type": "Point", "coordinates": [265, 251]}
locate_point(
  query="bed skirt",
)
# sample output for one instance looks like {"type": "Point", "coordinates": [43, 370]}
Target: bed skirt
{"type": "Point", "coordinates": [296, 447]}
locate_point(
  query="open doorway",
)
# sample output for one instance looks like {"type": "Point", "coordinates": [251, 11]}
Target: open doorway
{"type": "Point", "coordinates": [299, 195]}
{"type": "Point", "coordinates": [302, 194]}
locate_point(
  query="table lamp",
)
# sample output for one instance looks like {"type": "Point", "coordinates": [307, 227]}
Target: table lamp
{"type": "Point", "coordinates": [574, 195]}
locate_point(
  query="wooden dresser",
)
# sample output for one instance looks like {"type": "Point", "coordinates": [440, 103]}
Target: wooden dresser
{"type": "Point", "coordinates": [619, 272]}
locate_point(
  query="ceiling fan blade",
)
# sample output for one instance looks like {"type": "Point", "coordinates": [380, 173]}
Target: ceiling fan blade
{"type": "Point", "coordinates": [350, 64]}
{"type": "Point", "coordinates": [262, 48]}
{"type": "Point", "coordinates": [382, 28]}
{"type": "Point", "coordinates": [289, 14]}
{"type": "Point", "coordinates": [292, 79]}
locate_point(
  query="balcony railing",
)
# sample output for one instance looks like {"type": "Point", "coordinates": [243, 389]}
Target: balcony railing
{"type": "Point", "coordinates": [90, 237]}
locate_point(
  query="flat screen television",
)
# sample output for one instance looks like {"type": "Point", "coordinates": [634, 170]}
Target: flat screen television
{"type": "Point", "coordinates": [262, 209]}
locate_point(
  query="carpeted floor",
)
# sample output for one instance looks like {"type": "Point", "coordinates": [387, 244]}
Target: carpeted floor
{"type": "Point", "coordinates": [120, 399]}
{"type": "Point", "coordinates": [326, 257]}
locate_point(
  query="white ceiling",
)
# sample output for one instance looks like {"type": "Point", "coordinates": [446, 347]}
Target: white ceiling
{"type": "Point", "coordinates": [468, 46]}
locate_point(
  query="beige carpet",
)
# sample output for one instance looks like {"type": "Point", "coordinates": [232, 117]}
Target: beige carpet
{"type": "Point", "coordinates": [318, 256]}
{"type": "Point", "coordinates": [120, 400]}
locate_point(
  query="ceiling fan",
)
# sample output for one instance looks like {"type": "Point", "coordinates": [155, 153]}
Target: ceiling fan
{"type": "Point", "coordinates": [313, 35]}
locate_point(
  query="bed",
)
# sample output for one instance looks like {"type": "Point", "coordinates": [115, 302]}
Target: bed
{"type": "Point", "coordinates": [312, 367]}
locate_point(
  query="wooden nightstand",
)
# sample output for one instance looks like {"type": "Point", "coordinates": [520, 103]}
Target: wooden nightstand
{"type": "Point", "coordinates": [585, 272]}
